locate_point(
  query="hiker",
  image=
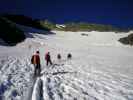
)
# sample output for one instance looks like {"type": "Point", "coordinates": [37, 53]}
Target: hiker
{"type": "Point", "coordinates": [48, 58]}
{"type": "Point", "coordinates": [69, 56]}
{"type": "Point", "coordinates": [59, 56]}
{"type": "Point", "coordinates": [35, 60]}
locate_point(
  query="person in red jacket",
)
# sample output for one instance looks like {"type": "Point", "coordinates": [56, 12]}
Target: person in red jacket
{"type": "Point", "coordinates": [35, 60]}
{"type": "Point", "coordinates": [48, 58]}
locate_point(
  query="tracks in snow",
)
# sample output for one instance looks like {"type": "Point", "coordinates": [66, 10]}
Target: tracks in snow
{"type": "Point", "coordinates": [61, 82]}
{"type": "Point", "coordinates": [67, 83]}
{"type": "Point", "coordinates": [15, 77]}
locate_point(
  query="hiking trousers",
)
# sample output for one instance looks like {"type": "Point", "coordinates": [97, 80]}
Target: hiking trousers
{"type": "Point", "coordinates": [37, 70]}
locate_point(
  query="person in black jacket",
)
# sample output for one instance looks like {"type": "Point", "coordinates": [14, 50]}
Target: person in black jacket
{"type": "Point", "coordinates": [59, 56]}
{"type": "Point", "coordinates": [69, 56]}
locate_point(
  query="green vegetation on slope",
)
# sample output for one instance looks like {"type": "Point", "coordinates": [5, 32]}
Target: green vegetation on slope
{"type": "Point", "coordinates": [88, 27]}
{"type": "Point", "coordinates": [81, 26]}
{"type": "Point", "coordinates": [47, 24]}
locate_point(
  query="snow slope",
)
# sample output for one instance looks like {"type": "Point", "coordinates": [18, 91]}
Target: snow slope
{"type": "Point", "coordinates": [101, 68]}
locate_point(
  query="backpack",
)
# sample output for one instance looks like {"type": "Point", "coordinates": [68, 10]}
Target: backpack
{"type": "Point", "coordinates": [32, 60]}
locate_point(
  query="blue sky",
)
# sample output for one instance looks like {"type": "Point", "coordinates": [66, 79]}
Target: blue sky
{"type": "Point", "coordinates": [114, 12]}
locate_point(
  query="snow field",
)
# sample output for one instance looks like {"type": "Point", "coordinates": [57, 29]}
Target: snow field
{"type": "Point", "coordinates": [101, 68]}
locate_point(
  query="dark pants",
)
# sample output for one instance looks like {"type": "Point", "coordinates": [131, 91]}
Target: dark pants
{"type": "Point", "coordinates": [48, 62]}
{"type": "Point", "coordinates": [37, 70]}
